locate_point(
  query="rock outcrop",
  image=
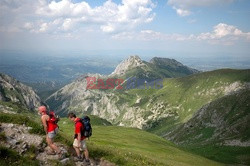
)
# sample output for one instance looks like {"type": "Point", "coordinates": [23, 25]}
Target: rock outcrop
{"type": "Point", "coordinates": [128, 64]}
{"type": "Point", "coordinates": [16, 92]}
{"type": "Point", "coordinates": [18, 138]}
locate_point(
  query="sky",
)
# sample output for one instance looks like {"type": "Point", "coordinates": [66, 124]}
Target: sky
{"type": "Point", "coordinates": [188, 28]}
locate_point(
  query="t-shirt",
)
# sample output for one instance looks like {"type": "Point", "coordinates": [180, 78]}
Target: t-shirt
{"type": "Point", "coordinates": [78, 127]}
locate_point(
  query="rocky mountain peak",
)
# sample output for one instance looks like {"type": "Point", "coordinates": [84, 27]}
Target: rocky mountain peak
{"type": "Point", "coordinates": [125, 65]}
{"type": "Point", "coordinates": [13, 90]}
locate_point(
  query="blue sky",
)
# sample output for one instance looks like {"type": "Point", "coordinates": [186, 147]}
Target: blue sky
{"type": "Point", "coordinates": [145, 27]}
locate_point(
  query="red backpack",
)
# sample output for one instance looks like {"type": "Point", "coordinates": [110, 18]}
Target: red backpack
{"type": "Point", "coordinates": [53, 117]}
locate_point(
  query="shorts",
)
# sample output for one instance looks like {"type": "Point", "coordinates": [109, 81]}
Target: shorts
{"type": "Point", "coordinates": [83, 145]}
{"type": "Point", "coordinates": [53, 133]}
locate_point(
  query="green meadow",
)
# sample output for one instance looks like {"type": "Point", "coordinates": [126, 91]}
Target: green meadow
{"type": "Point", "coordinates": [130, 146]}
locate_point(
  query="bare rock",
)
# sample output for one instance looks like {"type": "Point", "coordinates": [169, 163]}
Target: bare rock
{"type": "Point", "coordinates": [65, 161]}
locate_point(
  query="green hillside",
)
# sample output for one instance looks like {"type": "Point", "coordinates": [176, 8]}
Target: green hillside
{"type": "Point", "coordinates": [220, 130]}
{"type": "Point", "coordinates": [181, 97]}
{"type": "Point", "coordinates": [122, 146]}
{"type": "Point", "coordinates": [230, 112]}
{"type": "Point", "coordinates": [129, 146]}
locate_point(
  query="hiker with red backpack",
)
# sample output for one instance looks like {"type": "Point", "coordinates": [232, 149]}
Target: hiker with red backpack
{"type": "Point", "coordinates": [49, 122]}
{"type": "Point", "coordinates": [80, 135]}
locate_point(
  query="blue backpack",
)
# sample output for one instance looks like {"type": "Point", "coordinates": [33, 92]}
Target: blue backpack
{"type": "Point", "coordinates": [87, 129]}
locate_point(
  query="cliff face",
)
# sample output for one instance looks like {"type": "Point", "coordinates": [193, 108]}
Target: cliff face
{"type": "Point", "coordinates": [14, 91]}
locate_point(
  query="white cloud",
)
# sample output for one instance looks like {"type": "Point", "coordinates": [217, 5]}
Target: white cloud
{"type": "Point", "coordinates": [184, 7]}
{"type": "Point", "coordinates": [28, 26]}
{"type": "Point", "coordinates": [110, 17]}
{"type": "Point", "coordinates": [182, 12]}
{"type": "Point", "coordinates": [221, 31]}
{"type": "Point", "coordinates": [43, 27]}
{"type": "Point", "coordinates": [222, 34]}
{"type": "Point", "coordinates": [149, 35]}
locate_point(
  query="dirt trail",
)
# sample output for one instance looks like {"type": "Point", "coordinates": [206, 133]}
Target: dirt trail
{"type": "Point", "coordinates": [19, 139]}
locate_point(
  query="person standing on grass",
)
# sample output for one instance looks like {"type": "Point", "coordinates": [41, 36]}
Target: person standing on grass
{"type": "Point", "coordinates": [79, 143]}
{"type": "Point", "coordinates": [51, 129]}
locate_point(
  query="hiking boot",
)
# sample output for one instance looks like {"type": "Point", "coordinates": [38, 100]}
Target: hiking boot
{"type": "Point", "coordinates": [61, 155]}
{"type": "Point", "coordinates": [78, 159]}
{"type": "Point", "coordinates": [86, 161]}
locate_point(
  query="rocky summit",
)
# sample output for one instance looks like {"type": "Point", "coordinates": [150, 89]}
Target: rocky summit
{"type": "Point", "coordinates": [109, 104]}
{"type": "Point", "coordinates": [128, 64]}
{"type": "Point", "coordinates": [16, 92]}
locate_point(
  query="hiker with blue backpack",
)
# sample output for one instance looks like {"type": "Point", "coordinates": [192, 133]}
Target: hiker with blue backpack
{"type": "Point", "coordinates": [83, 130]}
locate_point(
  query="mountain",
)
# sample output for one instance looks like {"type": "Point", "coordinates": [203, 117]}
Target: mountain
{"type": "Point", "coordinates": [157, 110]}
{"type": "Point", "coordinates": [154, 69]}
{"type": "Point", "coordinates": [11, 90]}
{"type": "Point", "coordinates": [173, 66]}
{"type": "Point", "coordinates": [104, 103]}
{"type": "Point", "coordinates": [224, 121]}
{"type": "Point", "coordinates": [180, 98]}
{"type": "Point", "coordinates": [128, 64]}
{"type": "Point", "coordinates": [219, 130]}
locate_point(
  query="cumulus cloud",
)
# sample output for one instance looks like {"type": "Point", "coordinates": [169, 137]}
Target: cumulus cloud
{"type": "Point", "coordinates": [222, 34]}
{"type": "Point", "coordinates": [149, 35]}
{"type": "Point", "coordinates": [65, 15]}
{"type": "Point", "coordinates": [182, 12]}
{"type": "Point", "coordinates": [184, 7]}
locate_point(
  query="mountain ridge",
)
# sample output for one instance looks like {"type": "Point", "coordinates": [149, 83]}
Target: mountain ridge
{"type": "Point", "coordinates": [145, 108]}
{"type": "Point", "coordinates": [16, 92]}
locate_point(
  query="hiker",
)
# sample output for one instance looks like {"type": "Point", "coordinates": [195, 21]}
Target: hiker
{"type": "Point", "coordinates": [51, 129]}
{"type": "Point", "coordinates": [79, 140]}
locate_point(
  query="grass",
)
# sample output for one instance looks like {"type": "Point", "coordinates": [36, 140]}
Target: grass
{"type": "Point", "coordinates": [16, 107]}
{"type": "Point", "coordinates": [228, 120]}
{"type": "Point", "coordinates": [129, 146]}
{"type": "Point", "coordinates": [188, 93]}
{"type": "Point", "coordinates": [23, 119]}
{"type": "Point", "coordinates": [224, 154]}
{"type": "Point", "coordinates": [228, 116]}
{"type": "Point", "coordinates": [12, 158]}
{"type": "Point", "coordinates": [2, 136]}
{"type": "Point", "coordinates": [122, 146]}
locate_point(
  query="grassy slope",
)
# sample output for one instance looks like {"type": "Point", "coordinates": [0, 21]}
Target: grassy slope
{"type": "Point", "coordinates": [123, 146]}
{"type": "Point", "coordinates": [128, 146]}
{"type": "Point", "coordinates": [188, 93]}
{"type": "Point", "coordinates": [185, 91]}
{"type": "Point", "coordinates": [12, 158]}
{"type": "Point", "coordinates": [226, 154]}
{"type": "Point", "coordinates": [233, 110]}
